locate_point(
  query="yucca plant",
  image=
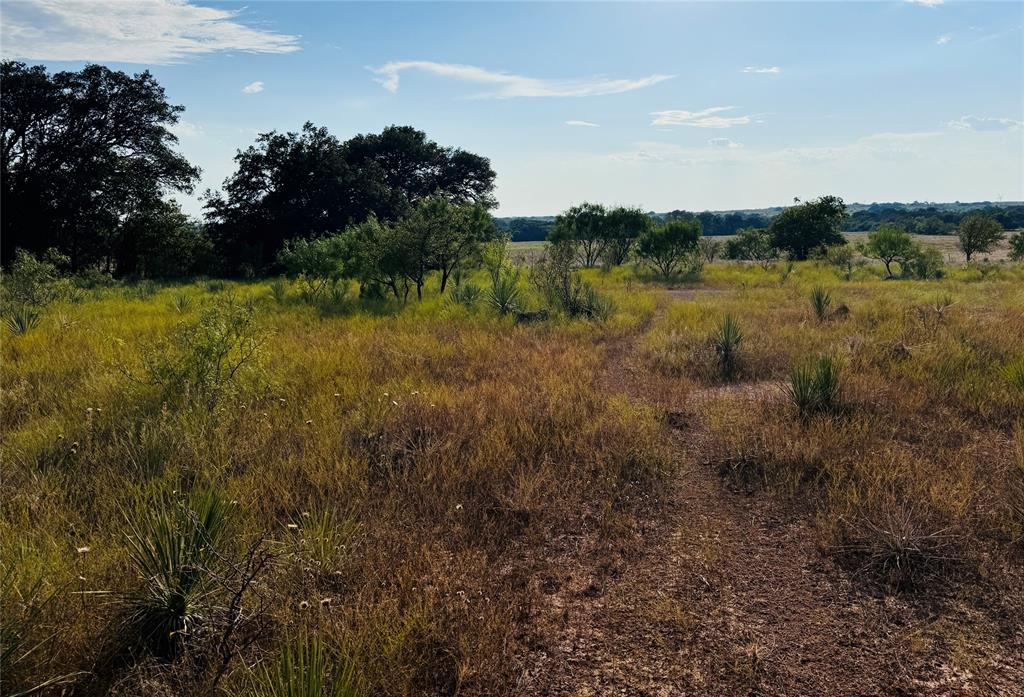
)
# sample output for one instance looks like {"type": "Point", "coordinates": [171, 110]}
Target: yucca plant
{"type": "Point", "coordinates": [1013, 373]}
{"type": "Point", "coordinates": [821, 303]}
{"type": "Point", "coordinates": [504, 292]}
{"type": "Point", "coordinates": [181, 303]}
{"type": "Point", "coordinates": [173, 545]}
{"type": "Point", "coordinates": [465, 294]}
{"type": "Point", "coordinates": [814, 387]}
{"type": "Point", "coordinates": [726, 342]}
{"type": "Point", "coordinates": [304, 670]}
{"type": "Point", "coordinates": [21, 320]}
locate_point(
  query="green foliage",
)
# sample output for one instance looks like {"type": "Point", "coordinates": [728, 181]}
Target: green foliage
{"type": "Point", "coordinates": [175, 546]}
{"type": "Point", "coordinates": [800, 229]}
{"type": "Point", "coordinates": [34, 282]}
{"type": "Point", "coordinates": [205, 358]}
{"type": "Point", "coordinates": [814, 387]}
{"type": "Point", "coordinates": [160, 241]}
{"type": "Point", "coordinates": [753, 244]}
{"type": "Point", "coordinates": [622, 228]}
{"type": "Point", "coordinates": [563, 287]}
{"type": "Point", "coordinates": [890, 244]}
{"type": "Point", "coordinates": [710, 248]}
{"type": "Point", "coordinates": [726, 342]}
{"type": "Point", "coordinates": [305, 669]}
{"type": "Point", "coordinates": [925, 264]}
{"type": "Point", "coordinates": [671, 247]}
{"type": "Point", "coordinates": [318, 264]}
{"type": "Point", "coordinates": [585, 229]}
{"type": "Point", "coordinates": [21, 320]}
{"type": "Point", "coordinates": [978, 232]}
{"type": "Point", "coordinates": [504, 293]}
{"type": "Point", "coordinates": [279, 290]}
{"type": "Point", "coordinates": [182, 303]}
{"type": "Point", "coordinates": [1013, 373]}
{"type": "Point", "coordinates": [1017, 246]}
{"type": "Point", "coordinates": [466, 294]}
{"type": "Point", "coordinates": [821, 303]}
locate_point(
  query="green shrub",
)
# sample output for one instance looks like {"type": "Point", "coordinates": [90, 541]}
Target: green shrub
{"type": "Point", "coordinates": [175, 547]}
{"type": "Point", "coordinates": [1017, 246]}
{"type": "Point", "coordinates": [465, 294]}
{"type": "Point", "coordinates": [814, 387]}
{"type": "Point", "coordinates": [34, 282]}
{"type": "Point", "coordinates": [279, 290]}
{"type": "Point", "coordinates": [503, 295]}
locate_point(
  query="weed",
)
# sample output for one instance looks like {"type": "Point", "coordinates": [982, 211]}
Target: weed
{"type": "Point", "coordinates": [304, 669]}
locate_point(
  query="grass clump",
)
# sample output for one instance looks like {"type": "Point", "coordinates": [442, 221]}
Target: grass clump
{"type": "Point", "coordinates": [726, 341]}
{"type": "Point", "coordinates": [305, 669]}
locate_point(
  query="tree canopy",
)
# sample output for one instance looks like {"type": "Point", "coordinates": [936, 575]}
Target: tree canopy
{"type": "Point", "coordinates": [801, 228]}
{"type": "Point", "coordinates": [82, 151]}
{"type": "Point", "coordinates": [979, 232]}
{"type": "Point", "coordinates": [309, 183]}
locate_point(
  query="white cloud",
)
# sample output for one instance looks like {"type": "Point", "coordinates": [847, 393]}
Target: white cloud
{"type": "Point", "coordinates": [185, 129]}
{"type": "Point", "coordinates": [943, 40]}
{"type": "Point", "coordinates": [771, 70]}
{"type": "Point", "coordinates": [699, 119]}
{"type": "Point", "coordinates": [985, 123]}
{"type": "Point", "coordinates": [253, 87]}
{"type": "Point", "coordinates": [142, 31]}
{"type": "Point", "coordinates": [926, 3]}
{"type": "Point", "coordinates": [575, 122]}
{"type": "Point", "coordinates": [724, 143]}
{"type": "Point", "coordinates": [509, 85]}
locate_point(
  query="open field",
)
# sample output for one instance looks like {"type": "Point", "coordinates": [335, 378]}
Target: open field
{"type": "Point", "coordinates": [456, 504]}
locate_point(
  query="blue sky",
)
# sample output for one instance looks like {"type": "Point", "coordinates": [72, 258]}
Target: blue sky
{"type": "Point", "coordinates": [662, 105]}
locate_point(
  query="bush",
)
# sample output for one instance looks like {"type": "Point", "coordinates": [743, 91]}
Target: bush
{"type": "Point", "coordinates": [563, 288]}
{"type": "Point", "coordinates": [926, 263]}
{"type": "Point", "coordinates": [671, 247]}
{"type": "Point", "coordinates": [21, 320]}
{"type": "Point", "coordinates": [319, 265]}
{"type": "Point", "coordinates": [753, 244]}
{"type": "Point", "coordinates": [35, 282]}
{"type": "Point", "coordinates": [205, 358]}
{"type": "Point", "coordinates": [1017, 246]}
{"type": "Point", "coordinates": [814, 387]}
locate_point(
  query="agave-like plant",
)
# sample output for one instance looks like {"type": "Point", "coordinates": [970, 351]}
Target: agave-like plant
{"type": "Point", "coordinates": [181, 303]}
{"type": "Point", "coordinates": [21, 320]}
{"type": "Point", "coordinates": [814, 387]}
{"type": "Point", "coordinates": [504, 292]}
{"type": "Point", "coordinates": [304, 669]}
{"type": "Point", "coordinates": [465, 294]}
{"type": "Point", "coordinates": [821, 303]}
{"type": "Point", "coordinates": [173, 545]}
{"type": "Point", "coordinates": [726, 341]}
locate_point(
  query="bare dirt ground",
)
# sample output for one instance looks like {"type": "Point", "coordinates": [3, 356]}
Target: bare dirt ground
{"type": "Point", "coordinates": [720, 592]}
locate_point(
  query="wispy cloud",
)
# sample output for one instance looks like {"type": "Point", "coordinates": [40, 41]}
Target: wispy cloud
{"type": "Point", "coordinates": [926, 3]}
{"type": "Point", "coordinates": [707, 118]}
{"type": "Point", "coordinates": [253, 87]}
{"type": "Point", "coordinates": [768, 70]}
{"type": "Point", "coordinates": [943, 40]}
{"type": "Point", "coordinates": [588, 124]}
{"type": "Point", "coordinates": [185, 129]}
{"type": "Point", "coordinates": [985, 123]}
{"type": "Point", "coordinates": [724, 143]}
{"type": "Point", "coordinates": [509, 85]}
{"type": "Point", "coordinates": [144, 31]}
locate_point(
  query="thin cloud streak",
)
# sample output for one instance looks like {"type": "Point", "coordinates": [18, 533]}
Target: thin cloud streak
{"type": "Point", "coordinates": [587, 124]}
{"type": "Point", "coordinates": [707, 118]}
{"type": "Point", "coordinates": [510, 85]}
{"type": "Point", "coordinates": [149, 31]}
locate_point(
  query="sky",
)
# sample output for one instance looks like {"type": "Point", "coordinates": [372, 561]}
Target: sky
{"type": "Point", "coordinates": [699, 105]}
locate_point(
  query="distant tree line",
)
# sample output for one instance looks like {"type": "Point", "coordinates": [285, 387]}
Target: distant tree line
{"type": "Point", "coordinates": [929, 220]}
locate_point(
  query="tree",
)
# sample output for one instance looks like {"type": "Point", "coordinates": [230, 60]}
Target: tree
{"type": "Point", "coordinates": [160, 241]}
{"type": "Point", "coordinates": [670, 245]}
{"type": "Point", "coordinates": [309, 184]}
{"type": "Point", "coordinates": [1017, 246]}
{"type": "Point", "coordinates": [800, 229]}
{"type": "Point", "coordinates": [890, 244]}
{"type": "Point", "coordinates": [451, 232]}
{"type": "Point", "coordinates": [584, 227]}
{"type": "Point", "coordinates": [379, 254]}
{"type": "Point", "coordinates": [978, 232]}
{"type": "Point", "coordinates": [81, 152]}
{"type": "Point", "coordinates": [320, 264]}
{"type": "Point", "coordinates": [710, 248]}
{"type": "Point", "coordinates": [622, 228]}
{"type": "Point", "coordinates": [753, 244]}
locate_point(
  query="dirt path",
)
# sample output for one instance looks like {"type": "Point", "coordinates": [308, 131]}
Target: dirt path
{"type": "Point", "coordinates": [719, 592]}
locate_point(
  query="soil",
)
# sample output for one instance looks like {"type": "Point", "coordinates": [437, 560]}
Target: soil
{"type": "Point", "coordinates": [716, 591]}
